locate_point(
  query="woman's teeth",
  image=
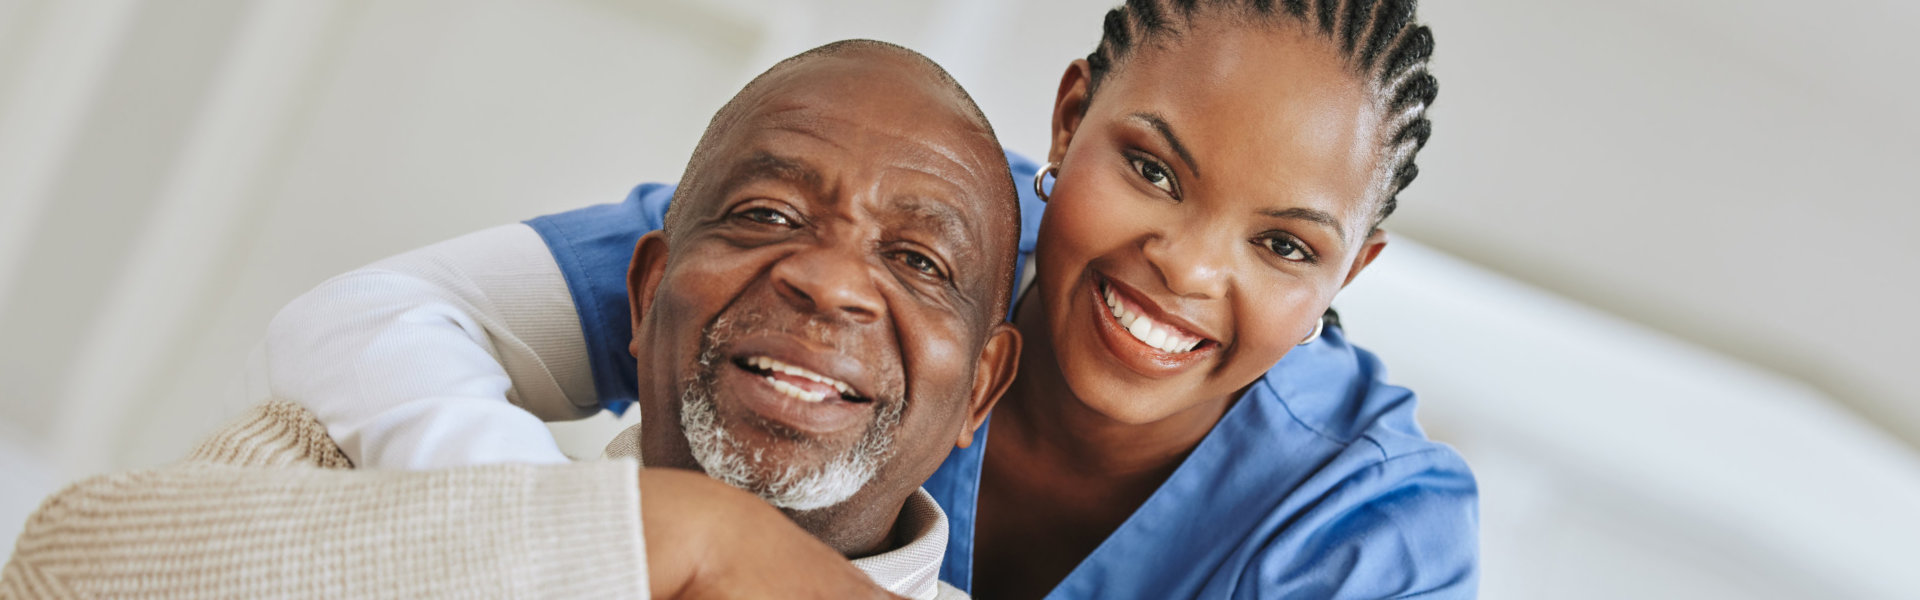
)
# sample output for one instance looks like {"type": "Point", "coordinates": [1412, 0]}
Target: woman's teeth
{"type": "Point", "coordinates": [1165, 337]}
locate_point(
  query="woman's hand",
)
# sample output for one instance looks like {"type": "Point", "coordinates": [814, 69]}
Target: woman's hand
{"type": "Point", "coordinates": [708, 540]}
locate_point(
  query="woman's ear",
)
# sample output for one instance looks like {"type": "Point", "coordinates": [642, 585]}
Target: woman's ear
{"type": "Point", "coordinates": [643, 279]}
{"type": "Point", "coordinates": [1069, 106]}
{"type": "Point", "coordinates": [999, 360]}
{"type": "Point", "coordinates": [1369, 250]}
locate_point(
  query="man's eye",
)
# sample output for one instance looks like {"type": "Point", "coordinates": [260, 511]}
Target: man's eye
{"type": "Point", "coordinates": [1286, 248]}
{"type": "Point", "coordinates": [1154, 173]}
{"type": "Point", "coordinates": [920, 262]}
{"type": "Point", "coordinates": [766, 216]}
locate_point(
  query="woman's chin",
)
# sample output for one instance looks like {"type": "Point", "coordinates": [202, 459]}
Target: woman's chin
{"type": "Point", "coordinates": [1126, 404]}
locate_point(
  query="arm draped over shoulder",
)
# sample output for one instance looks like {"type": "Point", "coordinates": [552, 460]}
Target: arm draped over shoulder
{"type": "Point", "coordinates": [269, 507]}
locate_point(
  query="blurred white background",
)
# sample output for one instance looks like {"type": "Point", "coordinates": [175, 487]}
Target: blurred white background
{"type": "Point", "coordinates": [1657, 280]}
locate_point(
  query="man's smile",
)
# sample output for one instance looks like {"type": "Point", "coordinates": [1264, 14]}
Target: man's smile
{"type": "Point", "coordinates": [799, 382]}
{"type": "Point", "coordinates": [802, 388]}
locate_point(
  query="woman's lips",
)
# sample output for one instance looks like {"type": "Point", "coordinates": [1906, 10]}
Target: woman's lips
{"type": "Point", "coordinates": [1148, 345]}
{"type": "Point", "coordinates": [1165, 337]}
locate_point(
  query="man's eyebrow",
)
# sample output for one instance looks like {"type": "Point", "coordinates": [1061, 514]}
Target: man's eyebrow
{"type": "Point", "coordinates": [1309, 214]}
{"type": "Point", "coordinates": [763, 165]}
{"type": "Point", "coordinates": [1166, 131]}
{"type": "Point", "coordinates": [940, 217]}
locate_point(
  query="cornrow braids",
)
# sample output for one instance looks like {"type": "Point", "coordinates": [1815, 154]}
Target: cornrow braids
{"type": "Point", "coordinates": [1379, 39]}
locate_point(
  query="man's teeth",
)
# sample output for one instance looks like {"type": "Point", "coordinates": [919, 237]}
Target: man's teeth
{"type": "Point", "coordinates": [1165, 337]}
{"type": "Point", "coordinates": [795, 392]}
{"type": "Point", "coordinates": [798, 393]}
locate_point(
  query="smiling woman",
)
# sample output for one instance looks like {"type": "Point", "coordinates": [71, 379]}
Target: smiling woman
{"type": "Point", "coordinates": [1222, 169]}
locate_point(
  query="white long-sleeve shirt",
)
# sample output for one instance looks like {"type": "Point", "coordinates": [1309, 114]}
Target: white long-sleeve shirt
{"type": "Point", "coordinates": [450, 355]}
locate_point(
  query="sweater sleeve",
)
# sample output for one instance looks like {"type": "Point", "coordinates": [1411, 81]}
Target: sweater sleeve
{"type": "Point", "coordinates": [256, 513]}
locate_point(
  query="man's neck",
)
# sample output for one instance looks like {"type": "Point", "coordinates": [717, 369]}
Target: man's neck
{"type": "Point", "coordinates": [858, 528]}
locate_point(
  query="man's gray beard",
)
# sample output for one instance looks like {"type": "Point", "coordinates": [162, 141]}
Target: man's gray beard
{"type": "Point", "coordinates": [792, 487]}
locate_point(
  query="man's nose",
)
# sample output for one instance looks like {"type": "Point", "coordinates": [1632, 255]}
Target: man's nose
{"type": "Point", "coordinates": [829, 280]}
{"type": "Point", "coordinates": [1190, 262]}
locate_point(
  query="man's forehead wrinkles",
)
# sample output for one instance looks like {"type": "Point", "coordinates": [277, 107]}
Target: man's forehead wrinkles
{"type": "Point", "coordinates": [811, 128]}
{"type": "Point", "coordinates": [953, 156]}
{"type": "Point", "coordinates": [936, 130]}
{"type": "Point", "coordinates": [941, 216]}
{"type": "Point", "coordinates": [762, 164]}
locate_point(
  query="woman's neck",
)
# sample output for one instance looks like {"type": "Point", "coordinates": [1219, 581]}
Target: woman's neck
{"type": "Point", "coordinates": [1050, 423]}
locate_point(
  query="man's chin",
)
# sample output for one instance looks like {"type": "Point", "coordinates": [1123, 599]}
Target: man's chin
{"type": "Point", "coordinates": [793, 488]}
{"type": "Point", "coordinates": [782, 467]}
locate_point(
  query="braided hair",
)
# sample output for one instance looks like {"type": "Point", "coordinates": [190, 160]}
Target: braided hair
{"type": "Point", "coordinates": [1378, 38]}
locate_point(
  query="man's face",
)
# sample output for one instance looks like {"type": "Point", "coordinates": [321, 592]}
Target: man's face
{"type": "Point", "coordinates": [814, 334]}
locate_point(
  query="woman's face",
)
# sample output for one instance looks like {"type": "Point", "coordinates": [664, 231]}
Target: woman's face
{"type": "Point", "coordinates": [1210, 202]}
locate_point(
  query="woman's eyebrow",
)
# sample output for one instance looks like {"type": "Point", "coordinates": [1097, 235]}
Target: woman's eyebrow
{"type": "Point", "coordinates": [1159, 124]}
{"type": "Point", "coordinates": [1309, 214]}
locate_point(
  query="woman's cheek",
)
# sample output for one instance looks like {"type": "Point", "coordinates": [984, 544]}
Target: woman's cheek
{"type": "Point", "coordinates": [1270, 324]}
{"type": "Point", "coordinates": [1098, 222]}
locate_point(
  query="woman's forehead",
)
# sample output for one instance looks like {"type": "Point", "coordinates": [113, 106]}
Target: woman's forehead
{"type": "Point", "coordinates": [1267, 112]}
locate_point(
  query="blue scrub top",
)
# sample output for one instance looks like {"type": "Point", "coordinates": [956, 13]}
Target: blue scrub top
{"type": "Point", "coordinates": [1317, 483]}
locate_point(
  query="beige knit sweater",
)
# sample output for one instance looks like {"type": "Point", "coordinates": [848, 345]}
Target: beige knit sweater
{"type": "Point", "coordinates": [269, 508]}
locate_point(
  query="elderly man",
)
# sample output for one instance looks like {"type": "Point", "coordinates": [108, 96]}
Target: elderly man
{"type": "Point", "coordinates": [818, 323]}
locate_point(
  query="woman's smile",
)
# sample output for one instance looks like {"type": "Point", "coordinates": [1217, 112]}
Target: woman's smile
{"type": "Point", "coordinates": [1141, 335]}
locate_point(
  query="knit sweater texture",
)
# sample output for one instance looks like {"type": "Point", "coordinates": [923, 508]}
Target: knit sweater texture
{"type": "Point", "coordinates": [269, 507]}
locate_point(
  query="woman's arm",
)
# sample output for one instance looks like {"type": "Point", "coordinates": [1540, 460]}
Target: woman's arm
{"type": "Point", "coordinates": [448, 355]}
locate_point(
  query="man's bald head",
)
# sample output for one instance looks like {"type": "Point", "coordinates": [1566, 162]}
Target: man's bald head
{"type": "Point", "coordinates": [883, 55]}
{"type": "Point", "coordinates": [890, 69]}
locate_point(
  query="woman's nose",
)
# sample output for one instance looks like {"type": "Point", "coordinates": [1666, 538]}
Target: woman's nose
{"type": "Point", "coordinates": [1190, 264]}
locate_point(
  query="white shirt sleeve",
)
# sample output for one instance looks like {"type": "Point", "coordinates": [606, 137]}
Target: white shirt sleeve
{"type": "Point", "coordinates": [449, 355]}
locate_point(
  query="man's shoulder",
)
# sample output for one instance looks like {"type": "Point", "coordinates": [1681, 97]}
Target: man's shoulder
{"type": "Point", "coordinates": [948, 592]}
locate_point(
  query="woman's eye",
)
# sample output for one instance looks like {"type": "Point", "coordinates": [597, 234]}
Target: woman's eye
{"type": "Point", "coordinates": [1286, 248]}
{"type": "Point", "coordinates": [766, 216]}
{"type": "Point", "coordinates": [1154, 174]}
{"type": "Point", "coordinates": [920, 262]}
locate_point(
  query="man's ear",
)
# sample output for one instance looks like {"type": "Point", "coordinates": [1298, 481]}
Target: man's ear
{"type": "Point", "coordinates": [1069, 106]}
{"type": "Point", "coordinates": [643, 279]}
{"type": "Point", "coordinates": [999, 360]}
{"type": "Point", "coordinates": [1369, 250]}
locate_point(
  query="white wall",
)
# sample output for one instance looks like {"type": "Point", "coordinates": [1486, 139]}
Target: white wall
{"type": "Point", "coordinates": [1726, 184]}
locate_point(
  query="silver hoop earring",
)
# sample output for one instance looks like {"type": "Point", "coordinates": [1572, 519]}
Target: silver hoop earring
{"type": "Point", "coordinates": [1040, 178]}
{"type": "Point", "coordinates": [1319, 326]}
